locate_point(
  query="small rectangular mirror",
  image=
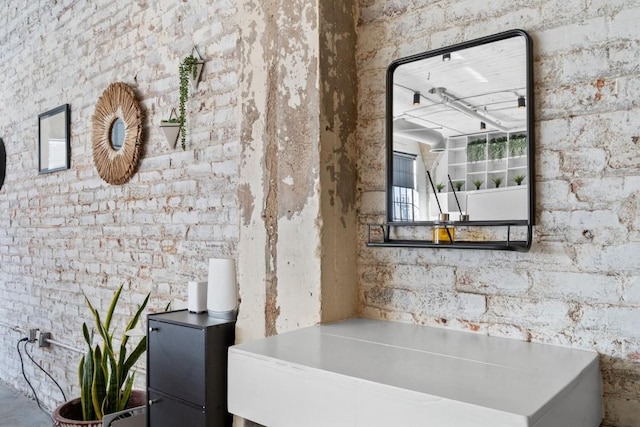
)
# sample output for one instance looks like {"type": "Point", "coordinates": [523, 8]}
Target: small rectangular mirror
{"type": "Point", "coordinates": [460, 133]}
{"type": "Point", "coordinates": [54, 147]}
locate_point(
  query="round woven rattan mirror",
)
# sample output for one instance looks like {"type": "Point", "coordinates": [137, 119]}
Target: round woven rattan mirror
{"type": "Point", "coordinates": [117, 160]}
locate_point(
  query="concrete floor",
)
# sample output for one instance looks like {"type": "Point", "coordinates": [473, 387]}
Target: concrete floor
{"type": "Point", "coordinates": [17, 410]}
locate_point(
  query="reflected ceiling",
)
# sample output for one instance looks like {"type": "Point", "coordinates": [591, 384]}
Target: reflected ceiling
{"type": "Point", "coordinates": [478, 84]}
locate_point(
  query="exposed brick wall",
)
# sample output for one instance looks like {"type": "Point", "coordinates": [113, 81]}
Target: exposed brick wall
{"type": "Point", "coordinates": [580, 284]}
{"type": "Point", "coordinates": [67, 232]}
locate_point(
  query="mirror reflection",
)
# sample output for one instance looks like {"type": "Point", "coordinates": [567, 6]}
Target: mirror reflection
{"type": "Point", "coordinates": [458, 139]}
{"type": "Point", "coordinates": [54, 140]}
{"type": "Point", "coordinates": [117, 134]}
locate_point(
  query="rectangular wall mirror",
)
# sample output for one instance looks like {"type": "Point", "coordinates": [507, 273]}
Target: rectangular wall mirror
{"type": "Point", "coordinates": [54, 148]}
{"type": "Point", "coordinates": [463, 116]}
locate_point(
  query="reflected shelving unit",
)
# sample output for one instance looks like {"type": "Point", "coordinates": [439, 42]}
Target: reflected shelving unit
{"type": "Point", "coordinates": [483, 158]}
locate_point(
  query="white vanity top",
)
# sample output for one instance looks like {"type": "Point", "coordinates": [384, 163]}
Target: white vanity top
{"type": "Point", "coordinates": [364, 372]}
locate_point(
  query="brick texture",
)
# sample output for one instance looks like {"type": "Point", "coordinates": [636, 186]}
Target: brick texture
{"type": "Point", "coordinates": [578, 286]}
{"type": "Point", "coordinates": [65, 233]}
{"type": "Point", "coordinates": [69, 232]}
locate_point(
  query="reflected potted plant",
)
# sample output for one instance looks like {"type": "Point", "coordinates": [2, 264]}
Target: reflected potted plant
{"type": "Point", "coordinates": [106, 383]}
{"type": "Point", "coordinates": [518, 179]}
{"type": "Point", "coordinates": [439, 187]}
{"type": "Point", "coordinates": [477, 183]}
{"type": "Point", "coordinates": [497, 181]}
{"type": "Point", "coordinates": [458, 185]}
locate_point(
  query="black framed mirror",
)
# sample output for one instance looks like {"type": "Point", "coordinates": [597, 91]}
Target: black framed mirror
{"type": "Point", "coordinates": [54, 141]}
{"type": "Point", "coordinates": [459, 126]}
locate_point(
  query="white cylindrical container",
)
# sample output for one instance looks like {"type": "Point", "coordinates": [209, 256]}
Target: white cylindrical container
{"type": "Point", "coordinates": [197, 294]}
{"type": "Point", "coordinates": [222, 291]}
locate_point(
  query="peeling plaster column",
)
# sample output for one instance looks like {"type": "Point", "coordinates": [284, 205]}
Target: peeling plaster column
{"type": "Point", "coordinates": [338, 176]}
{"type": "Point", "coordinates": [296, 253]}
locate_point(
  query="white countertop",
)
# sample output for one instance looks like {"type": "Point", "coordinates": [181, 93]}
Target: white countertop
{"type": "Point", "coordinates": [504, 380]}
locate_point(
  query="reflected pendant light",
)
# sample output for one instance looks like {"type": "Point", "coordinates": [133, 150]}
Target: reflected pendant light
{"type": "Point", "coordinates": [521, 102]}
{"type": "Point", "coordinates": [416, 98]}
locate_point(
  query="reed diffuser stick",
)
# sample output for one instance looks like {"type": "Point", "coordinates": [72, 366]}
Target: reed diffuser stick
{"type": "Point", "coordinates": [455, 195]}
{"type": "Point", "coordinates": [433, 187]}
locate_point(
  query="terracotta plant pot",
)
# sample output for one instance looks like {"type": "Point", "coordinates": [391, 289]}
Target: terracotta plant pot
{"type": "Point", "coordinates": [69, 414]}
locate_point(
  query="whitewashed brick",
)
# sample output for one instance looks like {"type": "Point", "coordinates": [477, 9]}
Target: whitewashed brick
{"type": "Point", "coordinates": [612, 321]}
{"type": "Point", "coordinates": [578, 287]}
{"type": "Point", "coordinates": [117, 223]}
{"type": "Point", "coordinates": [490, 281]}
{"type": "Point", "coordinates": [550, 316]}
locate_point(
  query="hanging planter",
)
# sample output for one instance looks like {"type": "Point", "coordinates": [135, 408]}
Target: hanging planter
{"type": "Point", "coordinates": [189, 73]}
{"type": "Point", "coordinates": [194, 64]}
{"type": "Point", "coordinates": [171, 128]}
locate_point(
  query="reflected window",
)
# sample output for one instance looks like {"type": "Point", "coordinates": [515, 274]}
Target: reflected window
{"type": "Point", "coordinates": [405, 196]}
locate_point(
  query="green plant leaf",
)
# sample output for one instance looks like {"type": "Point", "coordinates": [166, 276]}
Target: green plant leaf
{"type": "Point", "coordinates": [112, 307]}
{"type": "Point", "coordinates": [103, 373]}
{"type": "Point", "coordinates": [98, 383]}
{"type": "Point", "coordinates": [134, 321]}
{"type": "Point", "coordinates": [126, 393]}
{"type": "Point", "coordinates": [113, 389]}
{"type": "Point", "coordinates": [86, 377]}
{"type": "Point", "coordinates": [135, 355]}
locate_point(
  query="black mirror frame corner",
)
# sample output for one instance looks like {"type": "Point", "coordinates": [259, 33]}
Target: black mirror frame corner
{"type": "Point", "coordinates": [521, 245]}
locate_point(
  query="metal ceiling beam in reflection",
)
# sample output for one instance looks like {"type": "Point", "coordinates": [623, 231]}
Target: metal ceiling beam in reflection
{"type": "Point", "coordinates": [447, 100]}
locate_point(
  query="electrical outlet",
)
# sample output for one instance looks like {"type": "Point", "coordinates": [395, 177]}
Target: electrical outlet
{"type": "Point", "coordinates": [33, 335]}
{"type": "Point", "coordinates": [42, 339]}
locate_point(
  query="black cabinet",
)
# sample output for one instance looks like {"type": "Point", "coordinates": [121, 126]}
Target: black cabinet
{"type": "Point", "coordinates": [187, 369]}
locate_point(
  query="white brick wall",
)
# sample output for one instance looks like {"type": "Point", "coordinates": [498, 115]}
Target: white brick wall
{"type": "Point", "coordinates": [578, 285]}
{"type": "Point", "coordinates": [68, 232]}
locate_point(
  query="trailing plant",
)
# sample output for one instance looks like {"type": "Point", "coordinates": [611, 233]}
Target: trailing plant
{"type": "Point", "coordinates": [105, 381]}
{"type": "Point", "coordinates": [497, 148]}
{"type": "Point", "coordinates": [188, 67]}
{"type": "Point", "coordinates": [476, 150]}
{"type": "Point", "coordinates": [497, 181]}
{"type": "Point", "coordinates": [518, 179]}
{"type": "Point", "coordinates": [458, 185]}
{"type": "Point", "coordinates": [478, 183]}
{"type": "Point", "coordinates": [517, 145]}
{"type": "Point", "coordinates": [439, 187]}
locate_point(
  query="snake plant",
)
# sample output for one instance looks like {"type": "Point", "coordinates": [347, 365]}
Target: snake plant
{"type": "Point", "coordinates": [105, 382]}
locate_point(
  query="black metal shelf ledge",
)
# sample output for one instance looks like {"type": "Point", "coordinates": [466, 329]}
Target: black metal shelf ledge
{"type": "Point", "coordinates": [503, 245]}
